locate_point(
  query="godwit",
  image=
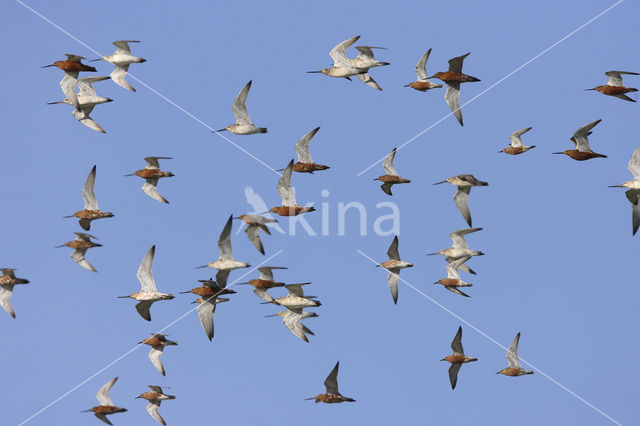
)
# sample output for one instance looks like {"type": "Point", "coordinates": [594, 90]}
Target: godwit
{"type": "Point", "coordinates": [206, 310]}
{"type": "Point", "coordinates": [452, 78]}
{"type": "Point", "coordinates": [289, 205]}
{"type": "Point", "coordinates": [614, 86]}
{"type": "Point", "coordinates": [122, 58]}
{"type": "Point", "coordinates": [85, 101]}
{"type": "Point", "coordinates": [91, 210]}
{"type": "Point", "coordinates": [514, 368]}
{"type": "Point", "coordinates": [634, 189]}
{"type": "Point", "coordinates": [464, 184]}
{"type": "Point", "coordinates": [305, 164]}
{"type": "Point", "coordinates": [209, 288]}
{"type": "Point", "coordinates": [148, 292]}
{"type": "Point", "coordinates": [331, 396]}
{"type": "Point", "coordinates": [296, 301]}
{"type": "Point", "coordinates": [157, 343]}
{"type": "Point", "coordinates": [459, 248]}
{"type": "Point", "coordinates": [342, 67]}
{"type": "Point", "coordinates": [423, 83]}
{"type": "Point", "coordinates": [152, 173]}
{"type": "Point", "coordinates": [225, 263]}
{"type": "Point", "coordinates": [394, 265]}
{"type": "Point", "coordinates": [391, 176]}
{"type": "Point", "coordinates": [364, 61]}
{"type": "Point", "coordinates": [292, 321]}
{"type": "Point", "coordinates": [457, 358]}
{"type": "Point", "coordinates": [517, 147]}
{"type": "Point", "coordinates": [71, 67]}
{"type": "Point", "coordinates": [155, 396]}
{"type": "Point", "coordinates": [254, 224]}
{"type": "Point", "coordinates": [81, 244]}
{"type": "Point", "coordinates": [243, 124]}
{"type": "Point", "coordinates": [86, 95]}
{"type": "Point", "coordinates": [580, 140]}
{"type": "Point", "coordinates": [453, 281]}
{"type": "Point", "coordinates": [265, 282]}
{"type": "Point", "coordinates": [106, 407]}
{"type": "Point", "coordinates": [7, 281]}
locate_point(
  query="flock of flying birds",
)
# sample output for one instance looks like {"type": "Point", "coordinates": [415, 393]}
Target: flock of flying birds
{"type": "Point", "coordinates": [296, 303]}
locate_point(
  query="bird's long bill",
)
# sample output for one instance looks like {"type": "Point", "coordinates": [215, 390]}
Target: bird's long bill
{"type": "Point", "coordinates": [306, 399]}
{"type": "Point", "coordinates": [616, 186]}
{"type": "Point", "coordinates": [314, 72]}
{"type": "Point", "coordinates": [432, 254]}
{"type": "Point", "coordinates": [557, 152]}
{"type": "Point", "coordinates": [242, 283]}
{"type": "Point", "coordinates": [265, 303]}
{"type": "Point", "coordinates": [272, 315]}
{"type": "Point", "coordinates": [123, 297]}
{"type": "Point", "coordinates": [59, 246]}
{"type": "Point", "coordinates": [438, 183]}
{"type": "Point", "coordinates": [218, 131]}
{"type": "Point", "coordinates": [53, 103]}
{"type": "Point", "coordinates": [94, 60]}
{"type": "Point", "coordinates": [200, 267]}
{"type": "Point", "coordinates": [47, 66]}
{"type": "Point", "coordinates": [65, 217]}
{"type": "Point", "coordinates": [131, 174]}
{"type": "Point", "coordinates": [586, 90]}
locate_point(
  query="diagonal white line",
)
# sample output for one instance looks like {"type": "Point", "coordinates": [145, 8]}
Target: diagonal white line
{"type": "Point", "coordinates": [150, 88]}
{"type": "Point", "coordinates": [498, 82]}
{"type": "Point", "coordinates": [67, 393]}
{"type": "Point", "coordinates": [477, 330]}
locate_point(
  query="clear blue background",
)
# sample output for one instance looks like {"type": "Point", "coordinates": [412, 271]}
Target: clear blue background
{"type": "Point", "coordinates": [560, 264]}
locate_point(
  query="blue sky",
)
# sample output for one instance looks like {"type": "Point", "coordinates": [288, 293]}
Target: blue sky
{"type": "Point", "coordinates": [559, 251]}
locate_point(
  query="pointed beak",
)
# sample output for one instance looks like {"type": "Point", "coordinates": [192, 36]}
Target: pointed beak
{"type": "Point", "coordinates": [586, 90]}
{"type": "Point", "coordinates": [47, 66]}
{"type": "Point", "coordinates": [124, 297]}
{"type": "Point", "coordinates": [59, 246]}
{"type": "Point", "coordinates": [432, 254]}
{"type": "Point", "coordinates": [200, 267]}
{"type": "Point", "coordinates": [314, 72]}
{"type": "Point", "coordinates": [94, 60]}
{"type": "Point", "coordinates": [438, 183]}
{"type": "Point", "coordinates": [557, 152]}
{"type": "Point", "coordinates": [218, 131]}
{"type": "Point", "coordinates": [131, 174]}
{"type": "Point", "coordinates": [53, 103]}
{"type": "Point", "coordinates": [616, 186]}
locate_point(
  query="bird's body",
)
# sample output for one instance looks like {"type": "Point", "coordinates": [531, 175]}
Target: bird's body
{"type": "Point", "coordinates": [453, 280]}
{"type": "Point", "coordinates": [157, 343]}
{"type": "Point", "coordinates": [614, 86]}
{"type": "Point", "coordinates": [633, 189]}
{"type": "Point", "coordinates": [394, 265]}
{"type": "Point", "coordinates": [225, 263]}
{"type": "Point", "coordinates": [459, 249]}
{"type": "Point", "coordinates": [91, 211]}
{"type": "Point", "coordinates": [121, 59]}
{"type": "Point", "coordinates": [580, 139]}
{"type": "Point", "coordinates": [155, 397]}
{"type": "Point", "coordinates": [464, 183]}
{"type": "Point", "coordinates": [453, 78]}
{"type": "Point", "coordinates": [255, 223]}
{"type": "Point", "coordinates": [148, 293]}
{"type": "Point", "coordinates": [243, 124]}
{"type": "Point", "coordinates": [517, 147]}
{"type": "Point", "coordinates": [457, 358]}
{"type": "Point", "coordinates": [423, 83]}
{"type": "Point", "coordinates": [265, 282]}
{"type": "Point", "coordinates": [151, 174]}
{"type": "Point", "coordinates": [331, 396]}
{"type": "Point", "coordinates": [514, 369]}
{"type": "Point", "coordinates": [81, 244]}
{"type": "Point", "coordinates": [106, 406]}
{"type": "Point", "coordinates": [305, 164]}
{"type": "Point", "coordinates": [391, 176]}
{"type": "Point", "coordinates": [290, 206]}
{"type": "Point", "coordinates": [8, 281]}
